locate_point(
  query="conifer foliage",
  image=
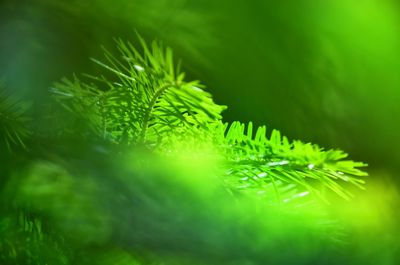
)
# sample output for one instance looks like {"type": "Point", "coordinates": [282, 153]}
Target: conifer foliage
{"type": "Point", "coordinates": [13, 119]}
{"type": "Point", "coordinates": [139, 99]}
{"type": "Point", "coordinates": [147, 100]}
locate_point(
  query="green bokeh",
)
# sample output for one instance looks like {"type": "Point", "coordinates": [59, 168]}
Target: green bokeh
{"type": "Point", "coordinates": [320, 71]}
{"type": "Point", "coordinates": [323, 71]}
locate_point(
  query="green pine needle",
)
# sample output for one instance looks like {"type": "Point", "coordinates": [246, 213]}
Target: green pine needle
{"type": "Point", "coordinates": [145, 100]}
{"type": "Point", "coordinates": [274, 161]}
{"type": "Point", "coordinates": [13, 120]}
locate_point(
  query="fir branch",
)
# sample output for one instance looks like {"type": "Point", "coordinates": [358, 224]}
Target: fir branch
{"type": "Point", "coordinates": [144, 100]}
{"type": "Point", "coordinates": [149, 110]}
{"type": "Point", "coordinates": [26, 239]}
{"type": "Point", "coordinates": [13, 120]}
{"type": "Point", "coordinates": [274, 161]}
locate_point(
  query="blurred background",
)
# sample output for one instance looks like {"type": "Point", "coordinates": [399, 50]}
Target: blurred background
{"type": "Point", "coordinates": [327, 72]}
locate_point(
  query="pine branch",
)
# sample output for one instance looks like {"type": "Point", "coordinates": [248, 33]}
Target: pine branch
{"type": "Point", "coordinates": [13, 120]}
{"type": "Point", "coordinates": [275, 162]}
{"type": "Point", "coordinates": [144, 101]}
{"type": "Point", "coordinates": [26, 240]}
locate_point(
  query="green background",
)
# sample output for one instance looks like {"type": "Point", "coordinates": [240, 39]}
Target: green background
{"type": "Point", "coordinates": [327, 71]}
{"type": "Point", "coordinates": [321, 71]}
